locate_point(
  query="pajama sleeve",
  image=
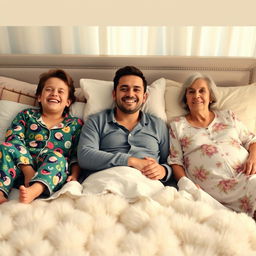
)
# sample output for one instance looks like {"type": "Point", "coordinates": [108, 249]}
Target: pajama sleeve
{"type": "Point", "coordinates": [15, 135]}
{"type": "Point", "coordinates": [176, 153]}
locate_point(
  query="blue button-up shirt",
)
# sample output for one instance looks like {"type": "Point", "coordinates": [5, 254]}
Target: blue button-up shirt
{"type": "Point", "coordinates": [104, 143]}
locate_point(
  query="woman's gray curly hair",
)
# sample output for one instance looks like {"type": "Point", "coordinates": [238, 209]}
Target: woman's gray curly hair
{"type": "Point", "coordinates": [190, 80]}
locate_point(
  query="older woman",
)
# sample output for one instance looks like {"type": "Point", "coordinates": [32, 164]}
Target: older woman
{"type": "Point", "coordinates": [213, 148]}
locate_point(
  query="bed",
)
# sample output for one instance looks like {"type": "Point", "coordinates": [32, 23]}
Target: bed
{"type": "Point", "coordinates": [120, 217]}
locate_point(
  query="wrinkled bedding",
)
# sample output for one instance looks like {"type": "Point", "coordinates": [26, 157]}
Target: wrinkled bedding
{"type": "Point", "coordinates": [96, 218]}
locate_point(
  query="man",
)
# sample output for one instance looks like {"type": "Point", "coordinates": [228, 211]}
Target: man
{"type": "Point", "coordinates": [125, 136]}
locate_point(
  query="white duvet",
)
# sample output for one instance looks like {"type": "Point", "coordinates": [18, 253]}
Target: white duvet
{"type": "Point", "coordinates": [120, 212]}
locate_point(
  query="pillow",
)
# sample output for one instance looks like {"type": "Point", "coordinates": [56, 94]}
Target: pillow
{"type": "Point", "coordinates": [8, 110]}
{"type": "Point", "coordinates": [239, 99]}
{"type": "Point", "coordinates": [98, 94]}
{"type": "Point", "coordinates": [17, 85]}
{"type": "Point", "coordinates": [77, 109]}
{"type": "Point", "coordinates": [23, 92]}
{"type": "Point", "coordinates": [17, 96]}
{"type": "Point", "coordinates": [172, 106]}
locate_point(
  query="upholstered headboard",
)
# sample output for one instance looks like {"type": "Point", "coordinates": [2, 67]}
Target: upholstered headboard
{"type": "Point", "coordinates": [224, 71]}
{"type": "Point", "coordinates": [234, 76]}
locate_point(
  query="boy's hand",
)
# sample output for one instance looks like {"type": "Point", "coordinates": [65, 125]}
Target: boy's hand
{"type": "Point", "coordinates": [75, 172]}
{"type": "Point", "coordinates": [72, 178]}
{"type": "Point", "coordinates": [28, 172]}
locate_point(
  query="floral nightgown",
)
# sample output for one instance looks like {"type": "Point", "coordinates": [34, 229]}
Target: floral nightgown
{"type": "Point", "coordinates": [213, 157]}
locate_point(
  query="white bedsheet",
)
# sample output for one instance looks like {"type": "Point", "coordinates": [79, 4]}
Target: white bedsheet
{"type": "Point", "coordinates": [130, 184]}
{"type": "Point", "coordinates": [95, 218]}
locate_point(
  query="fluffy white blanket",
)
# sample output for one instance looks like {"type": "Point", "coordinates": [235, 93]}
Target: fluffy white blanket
{"type": "Point", "coordinates": [97, 219]}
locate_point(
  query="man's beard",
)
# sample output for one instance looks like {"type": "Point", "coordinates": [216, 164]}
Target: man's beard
{"type": "Point", "coordinates": [128, 111]}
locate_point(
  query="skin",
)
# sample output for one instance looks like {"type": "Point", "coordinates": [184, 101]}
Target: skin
{"type": "Point", "coordinates": [129, 97]}
{"type": "Point", "coordinates": [54, 99]}
{"type": "Point", "coordinates": [250, 164]}
{"type": "Point", "coordinates": [2, 198]}
{"type": "Point", "coordinates": [198, 99]}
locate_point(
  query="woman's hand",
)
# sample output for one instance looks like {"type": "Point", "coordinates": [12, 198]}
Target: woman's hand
{"type": "Point", "coordinates": [250, 164]}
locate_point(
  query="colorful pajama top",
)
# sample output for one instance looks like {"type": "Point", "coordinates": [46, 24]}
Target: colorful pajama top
{"type": "Point", "coordinates": [213, 157]}
{"type": "Point", "coordinates": [29, 141]}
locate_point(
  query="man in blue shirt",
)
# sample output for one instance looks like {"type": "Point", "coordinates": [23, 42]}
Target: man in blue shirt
{"type": "Point", "coordinates": [125, 136]}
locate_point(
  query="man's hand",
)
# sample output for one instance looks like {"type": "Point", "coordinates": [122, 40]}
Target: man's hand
{"type": "Point", "coordinates": [153, 170]}
{"type": "Point", "coordinates": [148, 166]}
{"type": "Point", "coordinates": [138, 163]}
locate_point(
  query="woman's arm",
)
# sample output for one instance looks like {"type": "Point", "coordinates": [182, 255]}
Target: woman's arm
{"type": "Point", "coordinates": [178, 171]}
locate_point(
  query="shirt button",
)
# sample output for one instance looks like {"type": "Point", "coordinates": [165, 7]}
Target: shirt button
{"type": "Point", "coordinates": [130, 135]}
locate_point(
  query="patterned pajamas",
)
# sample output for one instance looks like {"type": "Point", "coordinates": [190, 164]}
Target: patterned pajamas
{"type": "Point", "coordinates": [48, 151]}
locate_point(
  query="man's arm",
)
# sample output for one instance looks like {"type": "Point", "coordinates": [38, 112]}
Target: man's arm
{"type": "Point", "coordinates": [160, 171]}
{"type": "Point", "coordinates": [90, 156]}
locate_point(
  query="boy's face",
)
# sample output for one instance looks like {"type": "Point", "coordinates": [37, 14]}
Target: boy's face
{"type": "Point", "coordinates": [55, 96]}
{"type": "Point", "coordinates": [129, 94]}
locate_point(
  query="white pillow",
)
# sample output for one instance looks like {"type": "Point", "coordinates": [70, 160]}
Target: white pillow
{"type": "Point", "coordinates": [77, 109]}
{"type": "Point", "coordinates": [172, 106]}
{"type": "Point", "coordinates": [98, 94]}
{"type": "Point", "coordinates": [8, 110]}
{"type": "Point", "coordinates": [239, 99]}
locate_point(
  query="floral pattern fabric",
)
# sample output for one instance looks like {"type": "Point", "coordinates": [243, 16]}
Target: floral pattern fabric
{"type": "Point", "coordinates": [213, 157]}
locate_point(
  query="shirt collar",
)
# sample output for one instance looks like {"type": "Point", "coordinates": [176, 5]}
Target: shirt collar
{"type": "Point", "coordinates": [38, 115]}
{"type": "Point", "coordinates": [111, 117]}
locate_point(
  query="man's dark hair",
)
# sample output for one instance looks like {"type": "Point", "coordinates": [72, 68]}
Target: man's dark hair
{"type": "Point", "coordinates": [127, 71]}
{"type": "Point", "coordinates": [62, 75]}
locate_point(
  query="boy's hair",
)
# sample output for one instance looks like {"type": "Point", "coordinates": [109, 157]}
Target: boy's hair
{"type": "Point", "coordinates": [62, 75]}
{"type": "Point", "coordinates": [126, 71]}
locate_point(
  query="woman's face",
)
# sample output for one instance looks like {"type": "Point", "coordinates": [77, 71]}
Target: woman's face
{"type": "Point", "coordinates": [198, 96]}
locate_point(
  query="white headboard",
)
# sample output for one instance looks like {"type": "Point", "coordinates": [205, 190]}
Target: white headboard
{"type": "Point", "coordinates": [224, 71]}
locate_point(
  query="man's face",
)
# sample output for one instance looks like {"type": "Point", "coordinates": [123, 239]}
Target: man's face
{"type": "Point", "coordinates": [129, 94]}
